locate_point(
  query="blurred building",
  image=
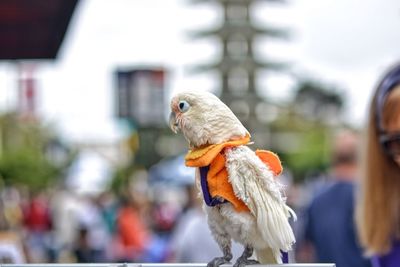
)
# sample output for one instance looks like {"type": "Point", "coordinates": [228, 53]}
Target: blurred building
{"type": "Point", "coordinates": [31, 31]}
{"type": "Point", "coordinates": [140, 96]}
{"type": "Point", "coordinates": [238, 67]}
{"type": "Point", "coordinates": [140, 100]}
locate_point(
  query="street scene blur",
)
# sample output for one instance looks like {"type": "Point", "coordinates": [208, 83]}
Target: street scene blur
{"type": "Point", "coordinates": [90, 171]}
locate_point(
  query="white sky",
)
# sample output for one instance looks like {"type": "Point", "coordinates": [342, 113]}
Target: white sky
{"type": "Point", "coordinates": [342, 42]}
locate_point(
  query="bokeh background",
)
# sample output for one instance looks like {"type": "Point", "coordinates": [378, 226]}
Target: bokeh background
{"type": "Point", "coordinates": [89, 171]}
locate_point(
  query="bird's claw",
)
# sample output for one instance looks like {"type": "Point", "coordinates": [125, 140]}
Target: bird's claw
{"type": "Point", "coordinates": [242, 262]}
{"type": "Point", "coordinates": [216, 262]}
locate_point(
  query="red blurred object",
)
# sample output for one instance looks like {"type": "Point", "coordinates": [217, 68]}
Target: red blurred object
{"type": "Point", "coordinates": [37, 215]}
{"type": "Point", "coordinates": [27, 91]}
{"type": "Point", "coordinates": [132, 235]}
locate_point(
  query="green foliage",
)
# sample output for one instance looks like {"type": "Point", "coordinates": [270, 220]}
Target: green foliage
{"type": "Point", "coordinates": [322, 94]}
{"type": "Point", "coordinates": [120, 181]}
{"type": "Point", "coordinates": [317, 101]}
{"type": "Point", "coordinates": [312, 154]}
{"type": "Point", "coordinates": [305, 126]}
{"type": "Point", "coordinates": [24, 167]}
{"type": "Point", "coordinates": [24, 155]}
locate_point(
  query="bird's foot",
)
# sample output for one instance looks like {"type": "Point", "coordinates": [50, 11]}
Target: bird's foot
{"type": "Point", "coordinates": [242, 262]}
{"type": "Point", "coordinates": [216, 262]}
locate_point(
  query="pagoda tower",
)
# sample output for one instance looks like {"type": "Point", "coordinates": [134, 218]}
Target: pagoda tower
{"type": "Point", "coordinates": [237, 66]}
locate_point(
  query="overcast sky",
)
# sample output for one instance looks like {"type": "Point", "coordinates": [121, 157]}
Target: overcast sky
{"type": "Point", "coordinates": [342, 42]}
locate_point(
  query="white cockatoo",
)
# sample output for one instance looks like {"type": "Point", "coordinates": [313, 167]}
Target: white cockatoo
{"type": "Point", "coordinates": [243, 200]}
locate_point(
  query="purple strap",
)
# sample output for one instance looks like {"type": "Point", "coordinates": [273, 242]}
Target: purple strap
{"type": "Point", "coordinates": [285, 257]}
{"type": "Point", "coordinates": [210, 201]}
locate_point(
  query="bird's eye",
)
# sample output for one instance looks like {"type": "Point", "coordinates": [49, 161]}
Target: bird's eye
{"type": "Point", "coordinates": [183, 106]}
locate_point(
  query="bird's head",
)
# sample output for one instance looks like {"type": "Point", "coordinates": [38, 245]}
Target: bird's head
{"type": "Point", "coordinates": [204, 119]}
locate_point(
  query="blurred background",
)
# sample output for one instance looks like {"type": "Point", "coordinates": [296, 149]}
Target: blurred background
{"type": "Point", "coordinates": [89, 171]}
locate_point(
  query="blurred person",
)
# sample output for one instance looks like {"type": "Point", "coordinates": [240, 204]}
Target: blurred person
{"type": "Point", "coordinates": [330, 235]}
{"type": "Point", "coordinates": [165, 212]}
{"type": "Point", "coordinates": [12, 249]}
{"type": "Point", "coordinates": [378, 206]}
{"type": "Point", "coordinates": [64, 205]}
{"type": "Point", "coordinates": [133, 236]}
{"type": "Point", "coordinates": [191, 241]}
{"type": "Point", "coordinates": [108, 206]}
{"type": "Point", "coordinates": [92, 236]}
{"type": "Point", "coordinates": [164, 216]}
{"type": "Point", "coordinates": [78, 222]}
{"type": "Point", "coordinates": [191, 211]}
{"type": "Point", "coordinates": [11, 198]}
{"type": "Point", "coordinates": [37, 222]}
{"type": "Point", "coordinates": [83, 250]}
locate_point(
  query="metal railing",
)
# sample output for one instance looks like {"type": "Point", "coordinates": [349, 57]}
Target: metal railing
{"type": "Point", "coordinates": [161, 265]}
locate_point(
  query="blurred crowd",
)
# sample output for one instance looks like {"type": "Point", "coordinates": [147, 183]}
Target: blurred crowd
{"type": "Point", "coordinates": [63, 226]}
{"type": "Point", "coordinates": [153, 223]}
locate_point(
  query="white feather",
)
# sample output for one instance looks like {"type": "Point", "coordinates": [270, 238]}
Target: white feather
{"type": "Point", "coordinates": [254, 183]}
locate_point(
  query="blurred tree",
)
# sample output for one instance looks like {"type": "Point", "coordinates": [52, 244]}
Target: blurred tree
{"type": "Point", "coordinates": [28, 154]}
{"type": "Point", "coordinates": [317, 101]}
{"type": "Point", "coordinates": [119, 183]}
{"type": "Point", "coordinates": [302, 132]}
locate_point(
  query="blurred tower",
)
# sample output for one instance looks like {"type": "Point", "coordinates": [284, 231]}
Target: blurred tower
{"type": "Point", "coordinates": [27, 91]}
{"type": "Point", "coordinates": [237, 66]}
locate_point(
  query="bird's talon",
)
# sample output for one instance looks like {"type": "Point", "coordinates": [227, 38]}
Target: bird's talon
{"type": "Point", "coordinates": [216, 262]}
{"type": "Point", "coordinates": [241, 262]}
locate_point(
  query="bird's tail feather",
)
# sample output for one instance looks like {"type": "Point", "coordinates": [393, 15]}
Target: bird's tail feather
{"type": "Point", "coordinates": [272, 219]}
{"type": "Point", "coordinates": [268, 255]}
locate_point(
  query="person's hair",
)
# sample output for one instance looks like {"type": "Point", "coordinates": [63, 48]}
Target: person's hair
{"type": "Point", "coordinates": [378, 203]}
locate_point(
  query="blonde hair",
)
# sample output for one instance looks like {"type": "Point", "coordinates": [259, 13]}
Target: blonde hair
{"type": "Point", "coordinates": [378, 205]}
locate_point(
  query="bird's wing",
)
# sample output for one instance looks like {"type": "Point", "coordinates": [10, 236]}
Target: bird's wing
{"type": "Point", "coordinates": [254, 183]}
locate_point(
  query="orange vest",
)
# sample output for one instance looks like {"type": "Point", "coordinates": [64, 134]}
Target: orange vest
{"type": "Point", "coordinates": [217, 176]}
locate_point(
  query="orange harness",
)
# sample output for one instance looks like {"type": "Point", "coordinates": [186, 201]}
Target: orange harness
{"type": "Point", "coordinates": [218, 183]}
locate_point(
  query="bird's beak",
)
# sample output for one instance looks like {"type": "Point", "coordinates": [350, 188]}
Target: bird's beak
{"type": "Point", "coordinates": [173, 124]}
